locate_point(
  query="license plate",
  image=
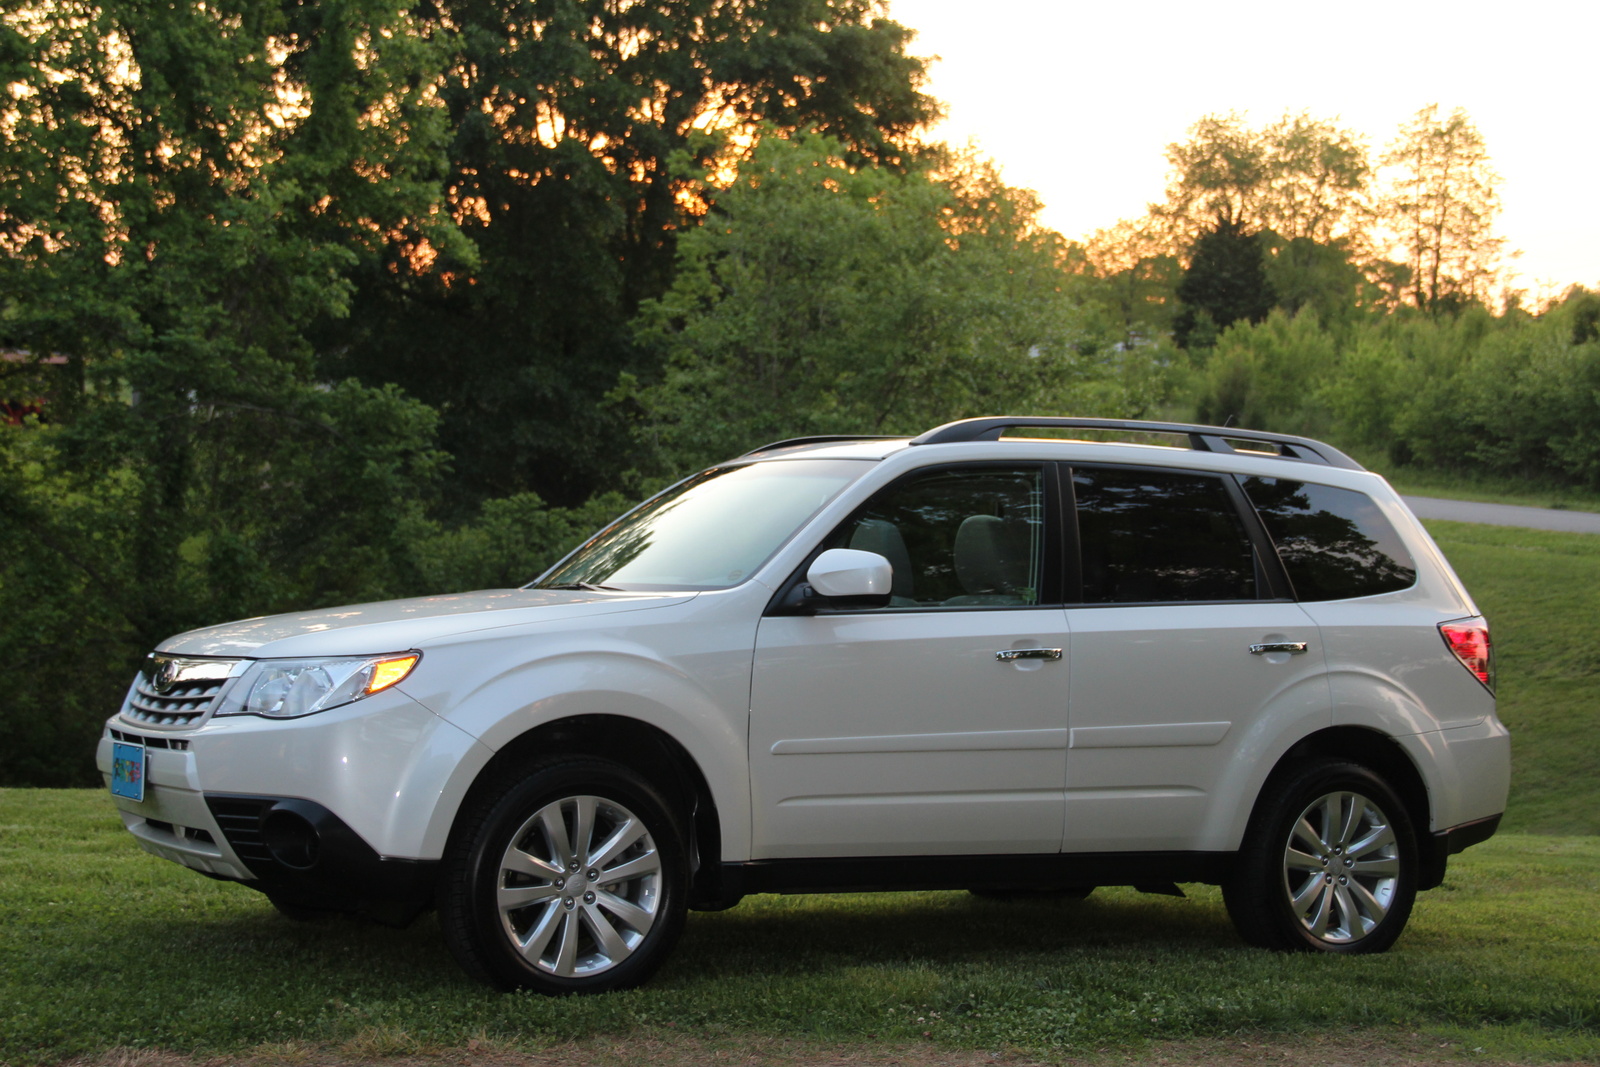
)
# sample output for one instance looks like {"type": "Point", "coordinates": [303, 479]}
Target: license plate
{"type": "Point", "coordinates": [127, 770]}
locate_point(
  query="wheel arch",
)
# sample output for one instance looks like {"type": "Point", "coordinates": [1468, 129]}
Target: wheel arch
{"type": "Point", "coordinates": [643, 748]}
{"type": "Point", "coordinates": [1385, 757]}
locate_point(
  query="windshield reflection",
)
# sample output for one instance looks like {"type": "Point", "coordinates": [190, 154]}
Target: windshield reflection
{"type": "Point", "coordinates": [711, 531]}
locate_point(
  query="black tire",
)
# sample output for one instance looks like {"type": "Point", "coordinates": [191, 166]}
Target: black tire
{"type": "Point", "coordinates": [516, 921]}
{"type": "Point", "coordinates": [1329, 863]}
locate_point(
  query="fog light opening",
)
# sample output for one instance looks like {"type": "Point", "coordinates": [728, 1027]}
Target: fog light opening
{"type": "Point", "coordinates": [291, 839]}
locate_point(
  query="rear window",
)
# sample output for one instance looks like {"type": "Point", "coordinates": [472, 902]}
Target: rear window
{"type": "Point", "coordinates": [1334, 543]}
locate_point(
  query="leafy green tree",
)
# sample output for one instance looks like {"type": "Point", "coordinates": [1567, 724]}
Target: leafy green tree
{"type": "Point", "coordinates": [1301, 273]}
{"type": "Point", "coordinates": [189, 188]}
{"type": "Point", "coordinates": [1277, 215]}
{"type": "Point", "coordinates": [1441, 203]}
{"type": "Point", "coordinates": [820, 297]}
{"type": "Point", "coordinates": [1300, 177]}
{"type": "Point", "coordinates": [1226, 282]}
{"type": "Point", "coordinates": [1265, 376]}
{"type": "Point", "coordinates": [564, 116]}
{"type": "Point", "coordinates": [1136, 282]}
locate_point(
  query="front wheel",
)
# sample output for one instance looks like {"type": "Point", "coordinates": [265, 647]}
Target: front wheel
{"type": "Point", "coordinates": [571, 879]}
{"type": "Point", "coordinates": [1329, 863]}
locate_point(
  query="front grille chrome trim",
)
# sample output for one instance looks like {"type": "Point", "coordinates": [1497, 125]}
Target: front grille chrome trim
{"type": "Point", "coordinates": [177, 691]}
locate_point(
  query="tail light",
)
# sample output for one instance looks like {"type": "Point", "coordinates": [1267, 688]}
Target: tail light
{"type": "Point", "coordinates": [1469, 640]}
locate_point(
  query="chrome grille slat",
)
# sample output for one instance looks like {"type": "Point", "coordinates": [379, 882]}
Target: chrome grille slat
{"type": "Point", "coordinates": [189, 693]}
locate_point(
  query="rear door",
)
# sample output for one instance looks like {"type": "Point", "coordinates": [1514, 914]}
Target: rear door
{"type": "Point", "coordinates": [1187, 653]}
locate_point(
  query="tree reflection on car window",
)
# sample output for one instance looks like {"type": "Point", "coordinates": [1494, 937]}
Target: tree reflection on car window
{"type": "Point", "coordinates": [1335, 543]}
{"type": "Point", "coordinates": [1160, 536]}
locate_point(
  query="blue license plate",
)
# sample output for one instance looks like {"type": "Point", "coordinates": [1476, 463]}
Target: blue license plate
{"type": "Point", "coordinates": [128, 764]}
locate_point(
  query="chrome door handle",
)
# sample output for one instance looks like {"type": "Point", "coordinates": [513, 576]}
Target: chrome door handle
{"type": "Point", "coordinates": [1294, 648]}
{"type": "Point", "coordinates": [1010, 654]}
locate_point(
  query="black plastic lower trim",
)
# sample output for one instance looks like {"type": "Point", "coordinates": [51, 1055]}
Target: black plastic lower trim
{"type": "Point", "coordinates": [1466, 835]}
{"type": "Point", "coordinates": [303, 854]}
{"type": "Point", "coordinates": [1058, 870]}
{"type": "Point", "coordinates": [1440, 846]}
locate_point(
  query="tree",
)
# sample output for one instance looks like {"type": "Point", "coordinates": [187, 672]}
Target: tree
{"type": "Point", "coordinates": [1217, 179]}
{"type": "Point", "coordinates": [1318, 182]}
{"type": "Point", "coordinates": [189, 188]}
{"type": "Point", "coordinates": [821, 297]}
{"type": "Point", "coordinates": [1300, 177]}
{"type": "Point", "coordinates": [565, 115]}
{"type": "Point", "coordinates": [1301, 273]}
{"type": "Point", "coordinates": [1441, 204]}
{"type": "Point", "coordinates": [1137, 280]}
{"type": "Point", "coordinates": [1226, 282]}
{"type": "Point", "coordinates": [1286, 203]}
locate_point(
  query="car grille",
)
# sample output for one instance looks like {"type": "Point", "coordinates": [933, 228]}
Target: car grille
{"type": "Point", "coordinates": [176, 744]}
{"type": "Point", "coordinates": [172, 691]}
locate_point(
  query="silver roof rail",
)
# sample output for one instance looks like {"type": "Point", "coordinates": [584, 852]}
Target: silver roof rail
{"type": "Point", "coordinates": [825, 439]}
{"type": "Point", "coordinates": [1201, 438]}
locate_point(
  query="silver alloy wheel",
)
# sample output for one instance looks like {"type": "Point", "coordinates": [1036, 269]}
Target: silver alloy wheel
{"type": "Point", "coordinates": [579, 886]}
{"type": "Point", "coordinates": [1341, 867]}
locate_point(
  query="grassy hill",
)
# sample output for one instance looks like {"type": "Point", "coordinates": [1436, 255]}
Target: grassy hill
{"type": "Point", "coordinates": [1541, 593]}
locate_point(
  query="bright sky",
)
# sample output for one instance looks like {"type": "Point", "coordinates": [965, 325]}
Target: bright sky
{"type": "Point", "coordinates": [1078, 101]}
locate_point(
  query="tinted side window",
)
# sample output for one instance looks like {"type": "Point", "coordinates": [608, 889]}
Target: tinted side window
{"type": "Point", "coordinates": [957, 538]}
{"type": "Point", "coordinates": [1334, 543]}
{"type": "Point", "coordinates": [1148, 536]}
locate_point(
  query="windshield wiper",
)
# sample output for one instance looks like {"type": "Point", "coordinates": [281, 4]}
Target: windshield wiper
{"type": "Point", "coordinates": [588, 587]}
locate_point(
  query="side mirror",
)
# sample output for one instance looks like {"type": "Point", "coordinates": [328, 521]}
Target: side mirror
{"type": "Point", "coordinates": [848, 578]}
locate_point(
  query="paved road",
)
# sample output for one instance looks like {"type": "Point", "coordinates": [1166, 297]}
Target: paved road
{"type": "Point", "coordinates": [1427, 507]}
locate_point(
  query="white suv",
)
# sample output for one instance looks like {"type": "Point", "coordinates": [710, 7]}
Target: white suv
{"type": "Point", "coordinates": [969, 660]}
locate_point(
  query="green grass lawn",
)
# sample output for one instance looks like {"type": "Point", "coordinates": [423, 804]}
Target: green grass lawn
{"type": "Point", "coordinates": [106, 947]}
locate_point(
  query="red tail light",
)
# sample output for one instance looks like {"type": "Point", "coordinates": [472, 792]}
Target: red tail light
{"type": "Point", "coordinates": [1469, 640]}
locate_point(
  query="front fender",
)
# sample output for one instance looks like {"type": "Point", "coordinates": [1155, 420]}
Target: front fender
{"type": "Point", "coordinates": [698, 694]}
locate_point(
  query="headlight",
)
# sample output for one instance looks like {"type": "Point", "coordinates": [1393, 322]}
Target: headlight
{"type": "Point", "coordinates": [289, 688]}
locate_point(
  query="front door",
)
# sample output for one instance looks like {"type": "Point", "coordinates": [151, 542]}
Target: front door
{"type": "Point", "coordinates": [936, 726]}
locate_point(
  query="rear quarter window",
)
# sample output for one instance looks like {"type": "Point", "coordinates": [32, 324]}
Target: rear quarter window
{"type": "Point", "coordinates": [1335, 543]}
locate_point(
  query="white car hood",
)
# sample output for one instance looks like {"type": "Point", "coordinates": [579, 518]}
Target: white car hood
{"type": "Point", "coordinates": [397, 625]}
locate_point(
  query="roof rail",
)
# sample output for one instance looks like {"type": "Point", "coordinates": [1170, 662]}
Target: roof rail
{"type": "Point", "coordinates": [824, 439]}
{"type": "Point", "coordinates": [1201, 438]}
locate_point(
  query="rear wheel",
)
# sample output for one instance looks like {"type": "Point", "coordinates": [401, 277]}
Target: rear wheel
{"type": "Point", "coordinates": [1329, 864]}
{"type": "Point", "coordinates": [571, 879]}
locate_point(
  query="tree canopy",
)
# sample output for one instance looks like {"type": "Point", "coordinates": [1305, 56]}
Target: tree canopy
{"type": "Point", "coordinates": [1442, 205]}
{"type": "Point", "coordinates": [819, 297]}
{"type": "Point", "coordinates": [565, 118]}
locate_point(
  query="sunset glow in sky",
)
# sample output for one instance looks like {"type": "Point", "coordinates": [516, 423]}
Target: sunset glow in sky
{"type": "Point", "coordinates": [1078, 101]}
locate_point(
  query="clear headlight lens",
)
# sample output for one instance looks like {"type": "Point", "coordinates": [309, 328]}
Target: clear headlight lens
{"type": "Point", "coordinates": [289, 688]}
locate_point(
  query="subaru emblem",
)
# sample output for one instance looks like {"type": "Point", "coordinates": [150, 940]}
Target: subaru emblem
{"type": "Point", "coordinates": [165, 675]}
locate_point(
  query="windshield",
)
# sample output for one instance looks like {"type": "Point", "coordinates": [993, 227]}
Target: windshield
{"type": "Point", "coordinates": [710, 532]}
